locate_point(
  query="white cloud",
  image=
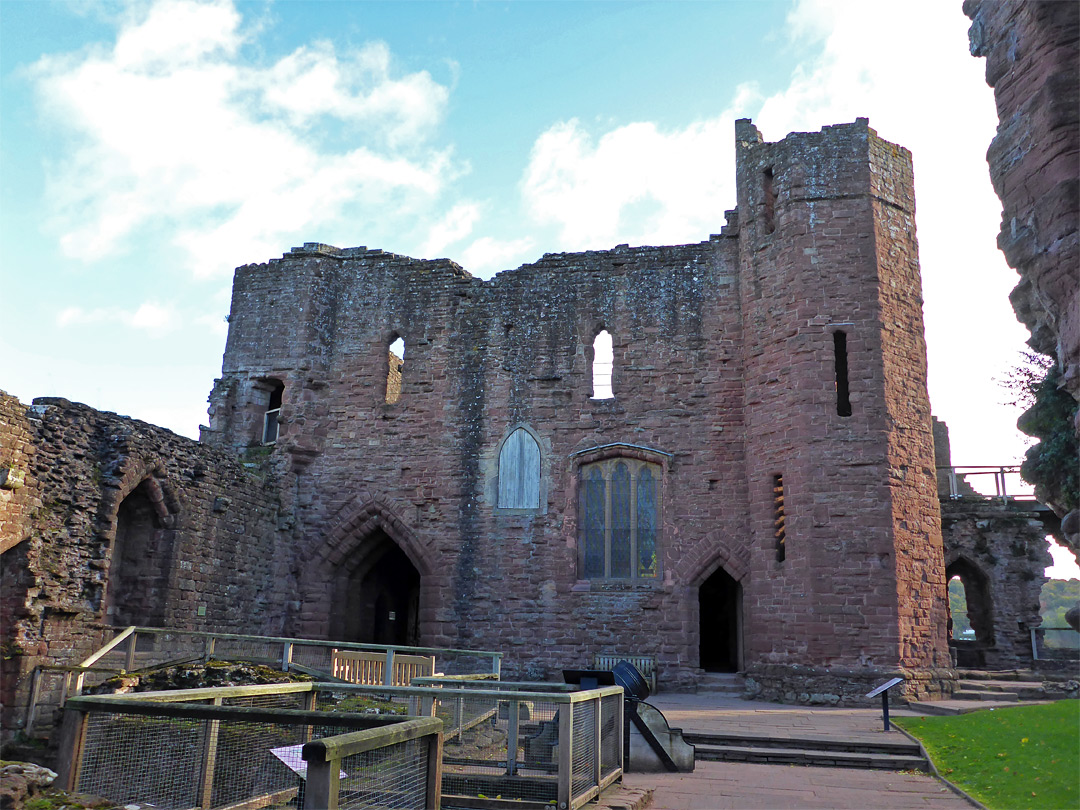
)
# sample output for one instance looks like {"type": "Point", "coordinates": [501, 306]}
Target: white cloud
{"type": "Point", "coordinates": [172, 130]}
{"type": "Point", "coordinates": [487, 255]}
{"type": "Point", "coordinates": [452, 228]}
{"type": "Point", "coordinates": [150, 317]}
{"type": "Point", "coordinates": [313, 81]}
{"type": "Point", "coordinates": [635, 183]}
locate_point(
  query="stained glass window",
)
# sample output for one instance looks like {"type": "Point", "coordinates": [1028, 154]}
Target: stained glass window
{"type": "Point", "coordinates": [594, 524]}
{"type": "Point", "coordinates": [620, 514]}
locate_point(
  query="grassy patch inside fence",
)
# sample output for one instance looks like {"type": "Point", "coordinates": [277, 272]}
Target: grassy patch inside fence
{"type": "Point", "coordinates": [1018, 757]}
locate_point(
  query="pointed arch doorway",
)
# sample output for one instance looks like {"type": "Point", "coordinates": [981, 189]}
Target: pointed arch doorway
{"type": "Point", "coordinates": [378, 591]}
{"type": "Point", "coordinates": [720, 623]}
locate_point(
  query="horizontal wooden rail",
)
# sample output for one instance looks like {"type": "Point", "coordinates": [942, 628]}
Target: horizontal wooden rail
{"type": "Point", "coordinates": [357, 742]}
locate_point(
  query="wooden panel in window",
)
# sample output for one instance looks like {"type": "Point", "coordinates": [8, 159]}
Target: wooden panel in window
{"type": "Point", "coordinates": [519, 472]}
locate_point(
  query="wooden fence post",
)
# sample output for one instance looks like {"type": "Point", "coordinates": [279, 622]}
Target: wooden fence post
{"type": "Point", "coordinates": [434, 771]}
{"type": "Point", "coordinates": [388, 669]}
{"type": "Point", "coordinates": [321, 787]}
{"type": "Point", "coordinates": [35, 695]}
{"type": "Point", "coordinates": [286, 656]}
{"type": "Point", "coordinates": [513, 714]}
{"type": "Point", "coordinates": [209, 760]}
{"type": "Point", "coordinates": [70, 750]}
{"type": "Point", "coordinates": [566, 755]}
{"type": "Point", "coordinates": [598, 726]}
{"type": "Point", "coordinates": [129, 663]}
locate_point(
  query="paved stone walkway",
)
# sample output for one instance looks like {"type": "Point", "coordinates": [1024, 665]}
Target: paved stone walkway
{"type": "Point", "coordinates": [745, 786]}
{"type": "Point", "coordinates": [735, 785]}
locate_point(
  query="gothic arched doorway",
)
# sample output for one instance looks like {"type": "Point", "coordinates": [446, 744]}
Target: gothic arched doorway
{"type": "Point", "coordinates": [379, 595]}
{"type": "Point", "coordinates": [720, 622]}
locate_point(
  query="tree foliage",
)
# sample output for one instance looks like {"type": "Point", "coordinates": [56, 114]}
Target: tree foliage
{"type": "Point", "coordinates": [1051, 463]}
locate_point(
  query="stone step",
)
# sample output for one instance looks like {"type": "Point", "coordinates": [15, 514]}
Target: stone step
{"type": "Point", "coordinates": [953, 707]}
{"type": "Point", "coordinates": [997, 686]}
{"type": "Point", "coordinates": [721, 683]}
{"type": "Point", "coordinates": [802, 756]}
{"type": "Point", "coordinates": [898, 747]}
{"type": "Point", "coordinates": [984, 694]}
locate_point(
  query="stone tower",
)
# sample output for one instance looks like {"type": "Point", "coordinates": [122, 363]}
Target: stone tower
{"type": "Point", "coordinates": [839, 443]}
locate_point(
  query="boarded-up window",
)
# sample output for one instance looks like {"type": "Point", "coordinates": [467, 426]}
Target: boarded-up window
{"type": "Point", "coordinates": [620, 516]}
{"type": "Point", "coordinates": [519, 472]}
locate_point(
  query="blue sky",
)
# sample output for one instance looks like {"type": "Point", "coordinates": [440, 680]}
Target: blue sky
{"type": "Point", "coordinates": [148, 148]}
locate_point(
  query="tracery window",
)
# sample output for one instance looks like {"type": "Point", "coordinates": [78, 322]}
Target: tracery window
{"type": "Point", "coordinates": [620, 519]}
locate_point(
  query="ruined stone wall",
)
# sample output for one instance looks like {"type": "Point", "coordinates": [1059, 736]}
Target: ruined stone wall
{"type": "Point", "coordinates": [1002, 551]}
{"type": "Point", "coordinates": [207, 558]}
{"type": "Point", "coordinates": [723, 377]}
{"type": "Point", "coordinates": [18, 497]}
{"type": "Point", "coordinates": [480, 359]}
{"type": "Point", "coordinates": [999, 551]}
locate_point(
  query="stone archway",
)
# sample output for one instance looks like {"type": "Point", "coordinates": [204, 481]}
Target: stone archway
{"type": "Point", "coordinates": [378, 595]}
{"type": "Point", "coordinates": [368, 566]}
{"type": "Point", "coordinates": [980, 611]}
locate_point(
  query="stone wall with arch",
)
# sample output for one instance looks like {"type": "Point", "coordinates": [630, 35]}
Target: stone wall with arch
{"type": "Point", "coordinates": [117, 513]}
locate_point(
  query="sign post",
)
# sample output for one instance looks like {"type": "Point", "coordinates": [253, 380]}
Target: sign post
{"type": "Point", "coordinates": [883, 690]}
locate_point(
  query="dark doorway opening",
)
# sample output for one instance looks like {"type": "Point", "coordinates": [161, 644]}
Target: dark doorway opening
{"type": "Point", "coordinates": [719, 611]}
{"type": "Point", "coordinates": [382, 595]}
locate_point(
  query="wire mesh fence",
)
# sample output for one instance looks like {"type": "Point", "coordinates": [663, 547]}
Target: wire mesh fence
{"type": "Point", "coordinates": [394, 776]}
{"type": "Point", "coordinates": [219, 747]}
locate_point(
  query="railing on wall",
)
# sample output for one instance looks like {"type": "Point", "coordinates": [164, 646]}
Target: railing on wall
{"type": "Point", "coordinates": [538, 745]}
{"type": "Point", "coordinates": [137, 648]}
{"type": "Point", "coordinates": [1005, 479]}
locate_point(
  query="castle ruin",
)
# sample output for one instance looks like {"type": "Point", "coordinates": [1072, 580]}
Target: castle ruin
{"type": "Point", "coordinates": [748, 486]}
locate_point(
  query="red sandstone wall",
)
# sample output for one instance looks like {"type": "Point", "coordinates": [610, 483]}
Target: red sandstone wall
{"type": "Point", "coordinates": [1032, 50]}
{"type": "Point", "coordinates": [723, 364]}
{"type": "Point", "coordinates": [19, 496]}
{"type": "Point", "coordinates": [215, 546]}
{"type": "Point", "coordinates": [862, 525]}
{"type": "Point", "coordinates": [916, 517]}
{"type": "Point", "coordinates": [481, 358]}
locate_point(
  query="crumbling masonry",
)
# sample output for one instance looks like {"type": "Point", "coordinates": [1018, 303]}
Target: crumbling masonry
{"type": "Point", "coordinates": [756, 492]}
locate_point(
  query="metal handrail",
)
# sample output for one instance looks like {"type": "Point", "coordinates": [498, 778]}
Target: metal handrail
{"type": "Point", "coordinates": [958, 475]}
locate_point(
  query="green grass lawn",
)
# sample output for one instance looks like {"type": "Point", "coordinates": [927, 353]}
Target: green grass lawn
{"type": "Point", "coordinates": [1019, 757]}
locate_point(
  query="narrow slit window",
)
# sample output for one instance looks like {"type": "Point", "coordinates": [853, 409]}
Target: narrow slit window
{"type": "Point", "coordinates": [779, 518]}
{"type": "Point", "coordinates": [843, 391]}
{"type": "Point", "coordinates": [270, 419]}
{"type": "Point", "coordinates": [769, 196]}
{"type": "Point", "coordinates": [602, 366]}
{"type": "Point", "coordinates": [396, 367]}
